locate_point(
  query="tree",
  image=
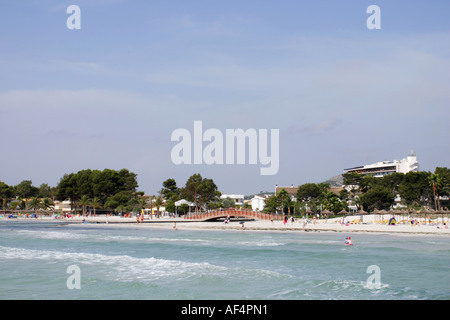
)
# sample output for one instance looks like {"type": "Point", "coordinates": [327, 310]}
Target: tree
{"type": "Point", "coordinates": [378, 197]}
{"type": "Point", "coordinates": [284, 201]}
{"type": "Point", "coordinates": [444, 173]}
{"type": "Point", "coordinates": [170, 190]}
{"type": "Point", "coordinates": [170, 206]}
{"type": "Point", "coordinates": [228, 203]}
{"type": "Point", "coordinates": [142, 202]}
{"type": "Point", "coordinates": [120, 200]}
{"type": "Point", "coordinates": [200, 191]}
{"type": "Point", "coordinates": [67, 189]}
{"type": "Point", "coordinates": [368, 182]}
{"type": "Point", "coordinates": [190, 190]}
{"type": "Point", "coordinates": [47, 203]}
{"type": "Point", "coordinates": [392, 181]}
{"type": "Point", "coordinates": [352, 179]}
{"type": "Point", "coordinates": [208, 192]}
{"type": "Point", "coordinates": [331, 201]}
{"type": "Point", "coordinates": [415, 188]}
{"type": "Point", "coordinates": [103, 185]}
{"type": "Point", "coordinates": [183, 209]}
{"type": "Point", "coordinates": [308, 191]}
{"type": "Point", "coordinates": [158, 203]}
{"type": "Point", "coordinates": [272, 204]}
{"type": "Point", "coordinates": [84, 202]}
{"type": "Point", "coordinates": [35, 203]}
{"type": "Point", "coordinates": [436, 182]}
{"type": "Point", "coordinates": [6, 193]}
{"type": "Point", "coordinates": [25, 189]}
{"type": "Point", "coordinates": [45, 191]}
{"type": "Point", "coordinates": [95, 203]}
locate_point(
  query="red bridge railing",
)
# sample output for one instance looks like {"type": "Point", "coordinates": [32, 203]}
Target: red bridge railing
{"type": "Point", "coordinates": [233, 213]}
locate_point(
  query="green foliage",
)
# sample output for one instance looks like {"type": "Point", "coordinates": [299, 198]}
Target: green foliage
{"type": "Point", "coordinates": [200, 190]}
{"type": "Point", "coordinates": [25, 189]}
{"type": "Point", "coordinates": [111, 188]}
{"type": "Point", "coordinates": [378, 197]}
{"type": "Point", "coordinates": [227, 203]}
{"type": "Point", "coordinates": [415, 188]}
{"type": "Point", "coordinates": [170, 191]}
{"type": "Point", "coordinates": [272, 204]}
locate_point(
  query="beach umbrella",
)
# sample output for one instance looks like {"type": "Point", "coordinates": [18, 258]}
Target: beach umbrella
{"type": "Point", "coordinates": [441, 212]}
{"type": "Point", "coordinates": [376, 212]}
{"type": "Point", "coordinates": [327, 212]}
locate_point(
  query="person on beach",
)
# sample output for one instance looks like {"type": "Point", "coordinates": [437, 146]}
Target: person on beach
{"type": "Point", "coordinates": [174, 226]}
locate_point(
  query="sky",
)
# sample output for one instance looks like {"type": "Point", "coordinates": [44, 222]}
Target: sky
{"type": "Point", "coordinates": [109, 95]}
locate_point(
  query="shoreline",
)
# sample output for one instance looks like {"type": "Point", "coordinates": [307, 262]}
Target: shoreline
{"type": "Point", "coordinates": [331, 225]}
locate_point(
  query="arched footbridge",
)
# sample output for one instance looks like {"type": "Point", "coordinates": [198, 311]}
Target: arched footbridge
{"type": "Point", "coordinates": [249, 214]}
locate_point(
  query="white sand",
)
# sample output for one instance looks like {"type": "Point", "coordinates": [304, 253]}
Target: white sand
{"type": "Point", "coordinates": [371, 223]}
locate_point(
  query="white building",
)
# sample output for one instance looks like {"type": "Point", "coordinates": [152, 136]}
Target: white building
{"type": "Point", "coordinates": [258, 202]}
{"type": "Point", "coordinates": [382, 168]}
{"type": "Point", "coordinates": [62, 205]}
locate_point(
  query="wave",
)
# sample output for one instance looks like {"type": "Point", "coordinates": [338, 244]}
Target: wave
{"type": "Point", "coordinates": [64, 235]}
{"type": "Point", "coordinates": [128, 268]}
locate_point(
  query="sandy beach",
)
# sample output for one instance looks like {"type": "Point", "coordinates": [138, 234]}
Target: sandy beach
{"type": "Point", "coordinates": [372, 224]}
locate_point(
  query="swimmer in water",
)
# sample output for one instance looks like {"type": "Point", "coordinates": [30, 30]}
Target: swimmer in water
{"type": "Point", "coordinates": [348, 241]}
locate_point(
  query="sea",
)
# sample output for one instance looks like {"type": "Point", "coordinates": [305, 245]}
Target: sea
{"type": "Point", "coordinates": [61, 261]}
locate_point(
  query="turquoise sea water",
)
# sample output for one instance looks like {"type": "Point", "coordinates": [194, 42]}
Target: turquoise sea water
{"type": "Point", "coordinates": [132, 263]}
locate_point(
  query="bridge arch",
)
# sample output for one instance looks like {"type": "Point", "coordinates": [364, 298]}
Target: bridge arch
{"type": "Point", "coordinates": [205, 216]}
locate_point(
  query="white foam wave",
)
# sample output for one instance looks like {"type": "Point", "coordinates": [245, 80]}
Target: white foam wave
{"type": "Point", "coordinates": [57, 235]}
{"type": "Point", "coordinates": [128, 268]}
{"type": "Point", "coordinates": [62, 235]}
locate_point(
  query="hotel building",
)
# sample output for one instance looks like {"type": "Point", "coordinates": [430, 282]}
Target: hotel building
{"type": "Point", "coordinates": [383, 168]}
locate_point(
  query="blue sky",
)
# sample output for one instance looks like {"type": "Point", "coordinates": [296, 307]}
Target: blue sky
{"type": "Point", "coordinates": [110, 95]}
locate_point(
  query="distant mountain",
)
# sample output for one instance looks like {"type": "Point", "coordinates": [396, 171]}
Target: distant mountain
{"type": "Point", "coordinates": [336, 181]}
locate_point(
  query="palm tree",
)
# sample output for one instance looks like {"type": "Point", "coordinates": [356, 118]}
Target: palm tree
{"type": "Point", "coordinates": [152, 198]}
{"type": "Point", "coordinates": [120, 208]}
{"type": "Point", "coordinates": [142, 202]}
{"type": "Point", "coordinates": [35, 203]}
{"type": "Point", "coordinates": [436, 183]}
{"type": "Point", "coordinates": [47, 203]}
{"type": "Point", "coordinates": [84, 202]}
{"type": "Point", "coordinates": [158, 203]}
{"type": "Point", "coordinates": [285, 200]}
{"type": "Point", "coordinates": [95, 203]}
